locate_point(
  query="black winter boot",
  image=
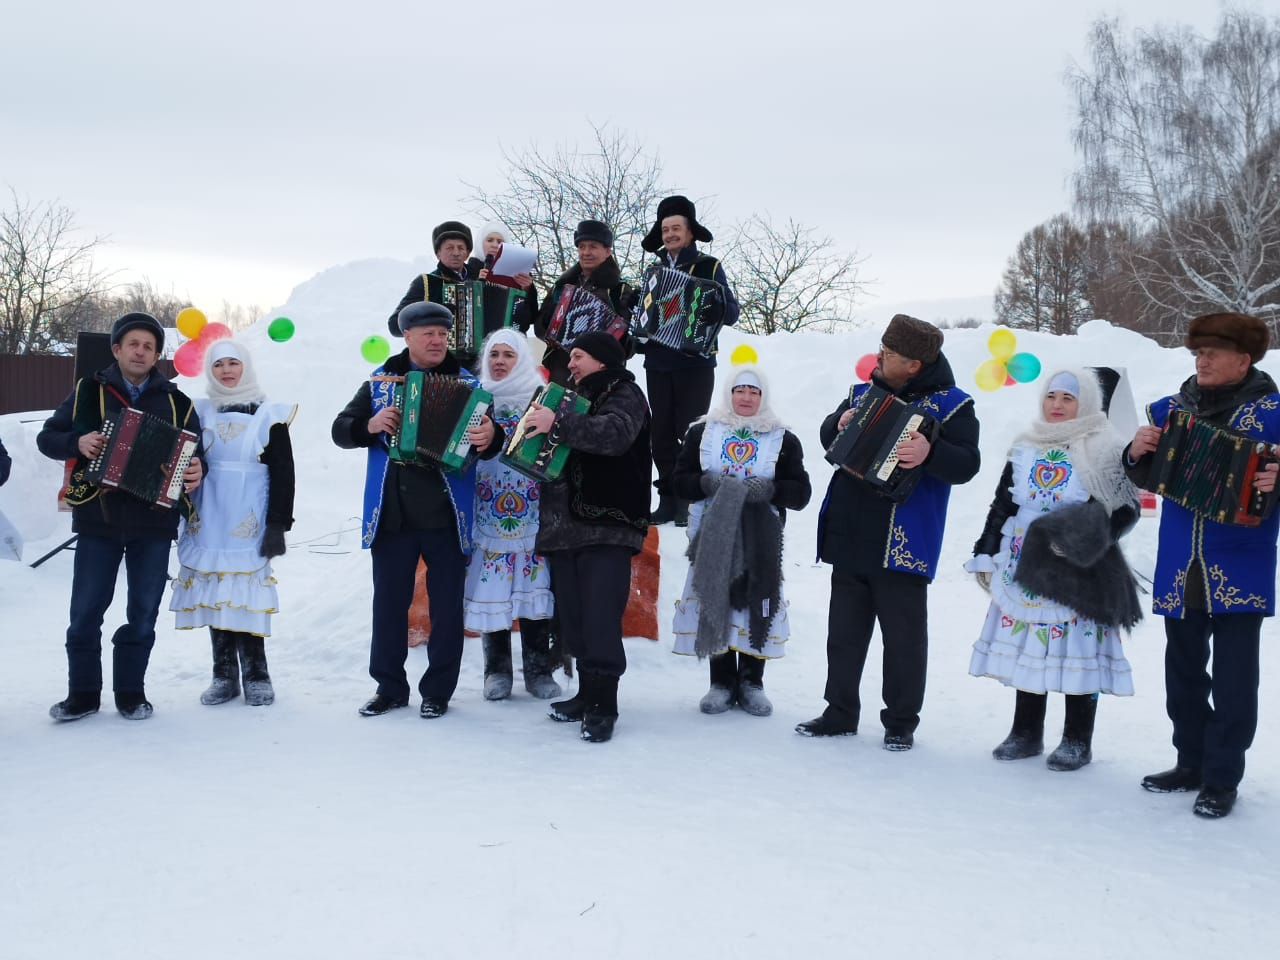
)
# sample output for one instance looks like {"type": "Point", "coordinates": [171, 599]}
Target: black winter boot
{"type": "Point", "coordinates": [724, 680]}
{"type": "Point", "coordinates": [573, 709]}
{"type": "Point", "coordinates": [226, 669]}
{"type": "Point", "coordinates": [77, 706]}
{"type": "Point", "coordinates": [1076, 748]}
{"type": "Point", "coordinates": [497, 664]}
{"type": "Point", "coordinates": [535, 660]}
{"type": "Point", "coordinates": [666, 511]}
{"type": "Point", "coordinates": [1026, 739]}
{"type": "Point", "coordinates": [681, 517]}
{"type": "Point", "coordinates": [133, 705]}
{"type": "Point", "coordinates": [602, 710]}
{"type": "Point", "coordinates": [751, 697]}
{"type": "Point", "coordinates": [1173, 780]}
{"type": "Point", "coordinates": [258, 691]}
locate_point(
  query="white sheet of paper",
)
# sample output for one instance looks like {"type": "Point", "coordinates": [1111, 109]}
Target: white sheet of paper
{"type": "Point", "coordinates": [513, 261]}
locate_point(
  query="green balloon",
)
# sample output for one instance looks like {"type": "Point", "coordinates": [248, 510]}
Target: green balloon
{"type": "Point", "coordinates": [280, 329]}
{"type": "Point", "coordinates": [375, 349]}
{"type": "Point", "coordinates": [1024, 367]}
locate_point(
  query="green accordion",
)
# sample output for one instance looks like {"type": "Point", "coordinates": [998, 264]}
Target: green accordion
{"type": "Point", "coordinates": [436, 411]}
{"type": "Point", "coordinates": [478, 308]}
{"type": "Point", "coordinates": [543, 457]}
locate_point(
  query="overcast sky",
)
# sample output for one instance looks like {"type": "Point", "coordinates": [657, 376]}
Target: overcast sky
{"type": "Point", "coordinates": [234, 149]}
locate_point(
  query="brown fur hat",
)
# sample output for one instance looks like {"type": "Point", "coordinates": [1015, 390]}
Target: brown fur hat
{"type": "Point", "coordinates": [1235, 331]}
{"type": "Point", "coordinates": [914, 339]}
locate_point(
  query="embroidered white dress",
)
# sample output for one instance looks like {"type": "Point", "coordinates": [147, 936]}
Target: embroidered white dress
{"type": "Point", "coordinates": [224, 582]}
{"type": "Point", "coordinates": [740, 453]}
{"type": "Point", "coordinates": [1029, 642]}
{"type": "Point", "coordinates": [506, 579]}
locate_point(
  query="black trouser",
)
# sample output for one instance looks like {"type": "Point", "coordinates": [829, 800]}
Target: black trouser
{"type": "Point", "coordinates": [676, 399]}
{"type": "Point", "coordinates": [591, 587]}
{"type": "Point", "coordinates": [395, 565]}
{"type": "Point", "coordinates": [900, 602]}
{"type": "Point", "coordinates": [1212, 739]}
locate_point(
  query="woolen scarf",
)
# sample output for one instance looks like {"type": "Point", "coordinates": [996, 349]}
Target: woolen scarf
{"type": "Point", "coordinates": [245, 393]}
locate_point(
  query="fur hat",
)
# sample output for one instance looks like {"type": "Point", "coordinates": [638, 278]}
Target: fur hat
{"type": "Point", "coordinates": [676, 206]}
{"type": "Point", "coordinates": [1235, 331]}
{"type": "Point", "coordinates": [451, 230]}
{"type": "Point", "coordinates": [138, 321]}
{"type": "Point", "coordinates": [914, 339]}
{"type": "Point", "coordinates": [603, 346]}
{"type": "Point", "coordinates": [425, 314]}
{"type": "Point", "coordinates": [593, 230]}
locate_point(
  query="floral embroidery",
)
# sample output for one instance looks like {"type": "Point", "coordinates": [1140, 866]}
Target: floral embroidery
{"type": "Point", "coordinates": [1230, 596]}
{"type": "Point", "coordinates": [899, 551]}
{"type": "Point", "coordinates": [1049, 475]}
{"type": "Point", "coordinates": [740, 447]}
{"type": "Point", "coordinates": [228, 430]}
{"type": "Point", "coordinates": [1247, 416]}
{"type": "Point", "coordinates": [1172, 600]}
{"type": "Point", "coordinates": [248, 528]}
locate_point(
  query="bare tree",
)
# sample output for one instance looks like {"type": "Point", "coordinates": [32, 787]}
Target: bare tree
{"type": "Point", "coordinates": [1181, 134]}
{"type": "Point", "coordinates": [548, 192]}
{"type": "Point", "coordinates": [786, 278]}
{"type": "Point", "coordinates": [46, 273]}
{"type": "Point", "coordinates": [1045, 285]}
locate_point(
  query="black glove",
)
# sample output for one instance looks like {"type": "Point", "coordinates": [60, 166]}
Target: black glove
{"type": "Point", "coordinates": [272, 541]}
{"type": "Point", "coordinates": [759, 490]}
{"type": "Point", "coordinates": [711, 483]}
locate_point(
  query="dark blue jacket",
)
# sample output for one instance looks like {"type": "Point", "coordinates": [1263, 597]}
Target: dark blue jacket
{"type": "Point", "coordinates": [658, 357]}
{"type": "Point", "coordinates": [113, 513]}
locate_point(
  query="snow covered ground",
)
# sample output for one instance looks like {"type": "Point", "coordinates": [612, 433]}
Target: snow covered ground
{"type": "Point", "coordinates": [305, 830]}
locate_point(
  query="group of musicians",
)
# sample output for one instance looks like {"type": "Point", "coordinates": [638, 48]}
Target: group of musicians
{"type": "Point", "coordinates": [491, 544]}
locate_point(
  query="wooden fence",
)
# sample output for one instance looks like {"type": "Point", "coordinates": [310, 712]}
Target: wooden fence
{"type": "Point", "coordinates": [42, 381]}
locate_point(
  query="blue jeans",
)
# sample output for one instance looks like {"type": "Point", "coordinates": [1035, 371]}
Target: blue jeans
{"type": "Point", "coordinates": [97, 562]}
{"type": "Point", "coordinates": [395, 564]}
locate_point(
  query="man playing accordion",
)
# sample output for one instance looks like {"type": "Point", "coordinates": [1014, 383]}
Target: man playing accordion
{"type": "Point", "coordinates": [679, 383]}
{"type": "Point", "coordinates": [414, 511]}
{"type": "Point", "coordinates": [114, 525]}
{"type": "Point", "coordinates": [1213, 578]}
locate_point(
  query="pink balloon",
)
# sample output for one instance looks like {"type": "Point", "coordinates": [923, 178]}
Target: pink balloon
{"type": "Point", "coordinates": [188, 359]}
{"type": "Point", "coordinates": [213, 332]}
{"type": "Point", "coordinates": [1010, 382]}
{"type": "Point", "coordinates": [866, 366]}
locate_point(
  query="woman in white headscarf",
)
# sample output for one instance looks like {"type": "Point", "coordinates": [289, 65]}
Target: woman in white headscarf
{"type": "Point", "coordinates": [1060, 588]}
{"type": "Point", "coordinates": [742, 470]}
{"type": "Point", "coordinates": [492, 236]}
{"type": "Point", "coordinates": [506, 579]}
{"type": "Point", "coordinates": [242, 512]}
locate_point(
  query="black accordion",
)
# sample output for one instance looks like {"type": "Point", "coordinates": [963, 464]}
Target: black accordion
{"type": "Point", "coordinates": [578, 311]}
{"type": "Point", "coordinates": [1210, 471]}
{"type": "Point", "coordinates": [143, 455]}
{"type": "Point", "coordinates": [679, 311]}
{"type": "Point", "coordinates": [868, 447]}
{"type": "Point", "coordinates": [478, 309]}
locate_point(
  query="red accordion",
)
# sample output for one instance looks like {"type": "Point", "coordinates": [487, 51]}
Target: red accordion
{"type": "Point", "coordinates": [144, 456]}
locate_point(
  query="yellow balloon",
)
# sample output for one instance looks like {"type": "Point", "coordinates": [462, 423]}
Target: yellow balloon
{"type": "Point", "coordinates": [1003, 344]}
{"type": "Point", "coordinates": [191, 322]}
{"type": "Point", "coordinates": [744, 354]}
{"type": "Point", "coordinates": [991, 376]}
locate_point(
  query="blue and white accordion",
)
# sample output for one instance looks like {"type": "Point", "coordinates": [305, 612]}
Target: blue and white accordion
{"type": "Point", "coordinates": [679, 311]}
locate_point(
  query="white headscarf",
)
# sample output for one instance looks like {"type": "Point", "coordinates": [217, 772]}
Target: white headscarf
{"type": "Point", "coordinates": [490, 228]}
{"type": "Point", "coordinates": [515, 389]}
{"type": "Point", "coordinates": [1095, 445]}
{"type": "Point", "coordinates": [246, 391]}
{"type": "Point", "coordinates": [746, 375]}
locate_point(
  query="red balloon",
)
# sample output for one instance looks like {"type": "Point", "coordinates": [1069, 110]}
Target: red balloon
{"type": "Point", "coordinates": [188, 360]}
{"type": "Point", "coordinates": [213, 332]}
{"type": "Point", "coordinates": [866, 366]}
{"type": "Point", "coordinates": [1011, 382]}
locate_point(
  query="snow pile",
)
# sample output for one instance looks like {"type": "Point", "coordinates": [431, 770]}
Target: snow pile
{"type": "Point", "coordinates": [302, 829]}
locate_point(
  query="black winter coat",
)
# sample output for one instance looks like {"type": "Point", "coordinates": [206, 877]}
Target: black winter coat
{"type": "Point", "coordinates": [5, 463]}
{"type": "Point", "coordinates": [607, 283]}
{"type": "Point", "coordinates": [113, 513]}
{"type": "Point", "coordinates": [413, 497]}
{"type": "Point", "coordinates": [607, 477]}
{"type": "Point", "coordinates": [791, 486]}
{"type": "Point", "coordinates": [857, 517]}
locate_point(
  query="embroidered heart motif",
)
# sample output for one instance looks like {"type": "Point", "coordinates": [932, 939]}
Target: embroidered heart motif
{"type": "Point", "coordinates": [1047, 476]}
{"type": "Point", "coordinates": [1006, 621]}
{"type": "Point", "coordinates": [740, 451]}
{"type": "Point", "coordinates": [1056, 633]}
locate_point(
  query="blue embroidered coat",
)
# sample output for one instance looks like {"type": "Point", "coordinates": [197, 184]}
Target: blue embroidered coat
{"type": "Point", "coordinates": [1236, 564]}
{"type": "Point", "coordinates": [861, 532]}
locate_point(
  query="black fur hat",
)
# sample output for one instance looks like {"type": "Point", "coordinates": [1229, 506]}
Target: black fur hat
{"type": "Point", "coordinates": [676, 206]}
{"type": "Point", "coordinates": [138, 321]}
{"type": "Point", "coordinates": [1235, 331]}
{"type": "Point", "coordinates": [451, 230]}
{"type": "Point", "coordinates": [593, 230]}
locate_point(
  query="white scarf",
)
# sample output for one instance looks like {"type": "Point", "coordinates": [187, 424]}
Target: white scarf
{"type": "Point", "coordinates": [515, 389]}
{"type": "Point", "coordinates": [764, 421]}
{"type": "Point", "coordinates": [1095, 445]}
{"type": "Point", "coordinates": [246, 391]}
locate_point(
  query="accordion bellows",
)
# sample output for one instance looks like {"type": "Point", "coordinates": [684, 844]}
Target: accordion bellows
{"type": "Point", "coordinates": [143, 455]}
{"type": "Point", "coordinates": [679, 311]}
{"type": "Point", "coordinates": [867, 448]}
{"type": "Point", "coordinates": [578, 311]}
{"type": "Point", "coordinates": [436, 411]}
{"type": "Point", "coordinates": [478, 308]}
